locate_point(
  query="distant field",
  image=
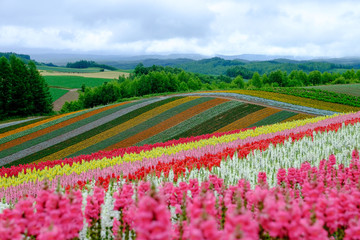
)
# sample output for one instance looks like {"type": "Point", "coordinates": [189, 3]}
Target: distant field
{"type": "Point", "coordinates": [74, 81]}
{"type": "Point", "coordinates": [64, 69]}
{"type": "Point", "coordinates": [351, 89]}
{"type": "Point", "coordinates": [106, 74]}
{"type": "Point", "coordinates": [56, 93]}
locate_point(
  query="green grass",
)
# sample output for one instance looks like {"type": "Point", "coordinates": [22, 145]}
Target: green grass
{"type": "Point", "coordinates": [350, 89]}
{"type": "Point", "coordinates": [56, 93]}
{"type": "Point", "coordinates": [74, 81]}
{"type": "Point", "coordinates": [66, 70]}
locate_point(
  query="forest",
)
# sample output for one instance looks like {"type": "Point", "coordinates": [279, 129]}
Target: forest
{"type": "Point", "coordinates": [89, 64]}
{"type": "Point", "coordinates": [23, 91]}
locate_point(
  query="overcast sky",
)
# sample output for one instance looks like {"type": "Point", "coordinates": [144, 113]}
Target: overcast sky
{"type": "Point", "coordinates": [294, 28]}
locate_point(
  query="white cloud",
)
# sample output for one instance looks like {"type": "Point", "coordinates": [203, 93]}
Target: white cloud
{"type": "Point", "coordinates": [315, 28]}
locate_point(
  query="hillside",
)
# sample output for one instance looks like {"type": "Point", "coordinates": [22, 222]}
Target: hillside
{"type": "Point", "coordinates": [146, 121]}
{"type": "Point", "coordinates": [218, 66]}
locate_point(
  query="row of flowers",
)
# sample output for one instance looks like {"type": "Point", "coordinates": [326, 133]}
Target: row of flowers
{"type": "Point", "coordinates": [312, 103]}
{"type": "Point", "coordinates": [309, 202]}
{"type": "Point", "coordinates": [339, 133]}
{"type": "Point", "coordinates": [74, 118]}
{"type": "Point", "coordinates": [115, 130]}
{"type": "Point", "coordinates": [85, 163]}
{"type": "Point", "coordinates": [22, 131]}
{"type": "Point", "coordinates": [187, 113]}
{"type": "Point", "coordinates": [274, 101]}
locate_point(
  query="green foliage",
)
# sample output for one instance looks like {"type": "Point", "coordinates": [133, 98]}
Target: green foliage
{"type": "Point", "coordinates": [256, 80]}
{"type": "Point", "coordinates": [89, 64]}
{"type": "Point", "coordinates": [23, 91]}
{"type": "Point", "coordinates": [239, 82]}
{"type": "Point", "coordinates": [239, 70]}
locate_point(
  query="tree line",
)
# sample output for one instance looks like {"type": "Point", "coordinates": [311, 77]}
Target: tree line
{"type": "Point", "coordinates": [299, 78]}
{"type": "Point", "coordinates": [23, 91]}
{"type": "Point", "coordinates": [88, 64]}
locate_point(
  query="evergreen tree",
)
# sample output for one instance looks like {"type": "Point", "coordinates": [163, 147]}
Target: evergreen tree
{"type": "Point", "coordinates": [19, 104]}
{"type": "Point", "coordinates": [42, 102]}
{"type": "Point", "coordinates": [5, 86]}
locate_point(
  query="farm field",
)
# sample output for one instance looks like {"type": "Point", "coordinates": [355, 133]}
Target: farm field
{"type": "Point", "coordinates": [147, 121]}
{"type": "Point", "coordinates": [56, 93]}
{"type": "Point", "coordinates": [49, 69]}
{"type": "Point", "coordinates": [91, 74]}
{"type": "Point", "coordinates": [245, 180]}
{"type": "Point", "coordinates": [73, 81]}
{"type": "Point", "coordinates": [351, 89]}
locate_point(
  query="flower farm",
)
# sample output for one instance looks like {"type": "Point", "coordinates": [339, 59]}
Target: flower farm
{"type": "Point", "coordinates": [204, 166]}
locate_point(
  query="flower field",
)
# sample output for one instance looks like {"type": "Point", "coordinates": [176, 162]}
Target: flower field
{"type": "Point", "coordinates": [138, 123]}
{"type": "Point", "coordinates": [290, 180]}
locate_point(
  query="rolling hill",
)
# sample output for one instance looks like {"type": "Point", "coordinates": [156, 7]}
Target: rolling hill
{"type": "Point", "coordinates": [136, 123]}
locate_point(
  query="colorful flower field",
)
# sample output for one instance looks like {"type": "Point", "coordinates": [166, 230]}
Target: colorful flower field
{"type": "Point", "coordinates": [290, 180]}
{"type": "Point", "coordinates": [136, 123]}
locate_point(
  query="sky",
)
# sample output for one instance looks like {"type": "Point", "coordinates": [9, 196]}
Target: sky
{"type": "Point", "coordinates": [318, 28]}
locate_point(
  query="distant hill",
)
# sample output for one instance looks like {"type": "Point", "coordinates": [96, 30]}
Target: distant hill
{"type": "Point", "coordinates": [219, 66]}
{"type": "Point", "coordinates": [23, 57]}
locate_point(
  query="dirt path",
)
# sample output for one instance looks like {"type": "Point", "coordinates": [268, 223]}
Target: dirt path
{"type": "Point", "coordinates": [69, 96]}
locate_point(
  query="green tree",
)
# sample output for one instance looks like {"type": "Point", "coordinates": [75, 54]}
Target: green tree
{"type": "Point", "coordinates": [277, 78]}
{"type": "Point", "coordinates": [358, 74]}
{"type": "Point", "coordinates": [315, 77]}
{"type": "Point", "coordinates": [256, 80]}
{"type": "Point", "coordinates": [326, 78]}
{"type": "Point", "coordinates": [20, 103]}
{"type": "Point", "coordinates": [239, 82]}
{"type": "Point", "coordinates": [41, 98]}
{"type": "Point", "coordinates": [265, 79]}
{"type": "Point", "coordinates": [5, 86]}
{"type": "Point", "coordinates": [183, 87]}
{"type": "Point", "coordinates": [303, 77]}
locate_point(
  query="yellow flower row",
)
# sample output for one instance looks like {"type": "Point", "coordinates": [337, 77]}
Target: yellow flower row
{"type": "Point", "coordinates": [307, 102]}
{"type": "Point", "coordinates": [153, 153]}
{"type": "Point", "coordinates": [115, 130]}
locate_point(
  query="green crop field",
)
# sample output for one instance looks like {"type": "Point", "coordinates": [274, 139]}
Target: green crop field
{"type": "Point", "coordinates": [56, 93]}
{"type": "Point", "coordinates": [351, 89]}
{"type": "Point", "coordinates": [74, 81]}
{"type": "Point", "coordinates": [68, 70]}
